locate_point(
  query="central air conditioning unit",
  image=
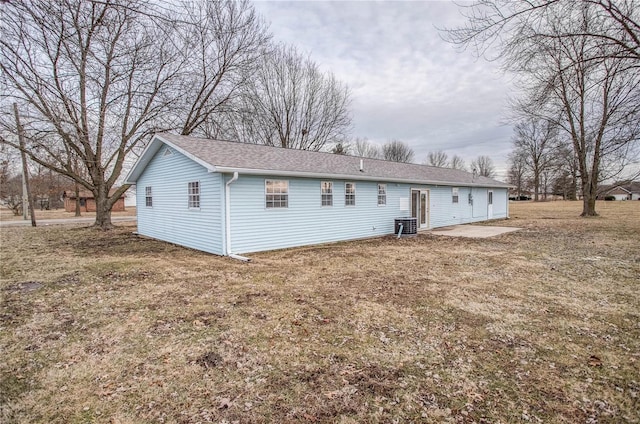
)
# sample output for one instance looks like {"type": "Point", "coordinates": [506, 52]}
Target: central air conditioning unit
{"type": "Point", "coordinates": [406, 226]}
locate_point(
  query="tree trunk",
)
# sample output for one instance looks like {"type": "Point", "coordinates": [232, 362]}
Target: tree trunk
{"type": "Point", "coordinates": [573, 188]}
{"type": "Point", "coordinates": [103, 209]}
{"type": "Point", "coordinates": [589, 199]}
{"type": "Point", "coordinates": [77, 200]}
{"type": "Point", "coordinates": [588, 206]}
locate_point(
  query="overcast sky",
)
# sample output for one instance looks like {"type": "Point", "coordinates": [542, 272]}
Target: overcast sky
{"type": "Point", "coordinates": [406, 82]}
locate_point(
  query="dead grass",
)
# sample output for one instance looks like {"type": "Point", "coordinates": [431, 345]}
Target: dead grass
{"type": "Point", "coordinates": [7, 215]}
{"type": "Point", "coordinates": [540, 325]}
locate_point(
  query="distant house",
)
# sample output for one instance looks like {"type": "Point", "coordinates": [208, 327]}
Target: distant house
{"type": "Point", "coordinates": [88, 202]}
{"type": "Point", "coordinates": [629, 190]}
{"type": "Point", "coordinates": [229, 198]}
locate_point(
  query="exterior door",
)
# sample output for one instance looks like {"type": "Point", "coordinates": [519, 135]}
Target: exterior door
{"type": "Point", "coordinates": [489, 204]}
{"type": "Point", "coordinates": [420, 207]}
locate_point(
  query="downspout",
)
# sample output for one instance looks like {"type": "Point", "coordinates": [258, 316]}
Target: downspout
{"type": "Point", "coordinates": [227, 219]}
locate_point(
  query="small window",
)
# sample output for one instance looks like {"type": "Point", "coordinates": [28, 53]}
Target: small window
{"type": "Point", "coordinates": [276, 193]}
{"type": "Point", "coordinates": [194, 195]}
{"type": "Point", "coordinates": [349, 194]}
{"type": "Point", "coordinates": [148, 198]}
{"type": "Point", "coordinates": [326, 188]}
{"type": "Point", "coordinates": [382, 194]}
{"type": "Point", "coordinates": [454, 195]}
{"type": "Point", "coordinates": [491, 197]}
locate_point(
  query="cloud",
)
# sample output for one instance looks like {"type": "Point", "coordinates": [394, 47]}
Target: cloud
{"type": "Point", "coordinates": [406, 82]}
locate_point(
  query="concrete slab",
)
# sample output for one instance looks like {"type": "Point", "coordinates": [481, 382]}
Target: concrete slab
{"type": "Point", "coordinates": [472, 231]}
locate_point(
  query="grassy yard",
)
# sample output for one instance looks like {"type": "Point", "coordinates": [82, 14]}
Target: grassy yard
{"type": "Point", "coordinates": [539, 325]}
{"type": "Point", "coordinates": [7, 215]}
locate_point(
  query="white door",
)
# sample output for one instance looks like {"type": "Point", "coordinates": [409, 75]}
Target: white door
{"type": "Point", "coordinates": [490, 204]}
{"type": "Point", "coordinates": [420, 207]}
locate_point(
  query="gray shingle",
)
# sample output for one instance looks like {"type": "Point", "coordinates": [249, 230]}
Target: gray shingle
{"type": "Point", "coordinates": [228, 154]}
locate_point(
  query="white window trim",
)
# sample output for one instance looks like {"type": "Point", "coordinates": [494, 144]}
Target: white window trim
{"type": "Point", "coordinates": [148, 196]}
{"type": "Point", "coordinates": [353, 184]}
{"type": "Point", "coordinates": [267, 194]}
{"type": "Point", "coordinates": [455, 195]}
{"type": "Point", "coordinates": [385, 195]}
{"type": "Point", "coordinates": [194, 208]}
{"type": "Point", "coordinates": [326, 194]}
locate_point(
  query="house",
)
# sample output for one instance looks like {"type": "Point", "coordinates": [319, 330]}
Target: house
{"type": "Point", "coordinates": [87, 201]}
{"type": "Point", "coordinates": [230, 198]}
{"type": "Point", "coordinates": [629, 190]}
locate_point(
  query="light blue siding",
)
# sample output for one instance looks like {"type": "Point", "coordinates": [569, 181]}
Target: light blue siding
{"type": "Point", "coordinates": [256, 228]}
{"type": "Point", "coordinates": [305, 221]}
{"type": "Point", "coordinates": [170, 219]}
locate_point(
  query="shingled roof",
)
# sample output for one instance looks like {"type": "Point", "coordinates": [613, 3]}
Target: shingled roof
{"type": "Point", "coordinates": [228, 156]}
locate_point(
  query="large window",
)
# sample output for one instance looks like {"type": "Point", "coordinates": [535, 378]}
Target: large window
{"type": "Point", "coordinates": [276, 193]}
{"type": "Point", "coordinates": [382, 194]}
{"type": "Point", "coordinates": [194, 194]}
{"type": "Point", "coordinates": [349, 194]}
{"type": "Point", "coordinates": [148, 198]}
{"type": "Point", "coordinates": [326, 188]}
{"type": "Point", "coordinates": [454, 195]}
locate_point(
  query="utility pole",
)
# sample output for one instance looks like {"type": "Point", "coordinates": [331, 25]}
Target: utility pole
{"type": "Point", "coordinates": [27, 200]}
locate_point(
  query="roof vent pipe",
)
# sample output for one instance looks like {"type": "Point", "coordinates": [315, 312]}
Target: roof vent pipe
{"type": "Point", "coordinates": [361, 165]}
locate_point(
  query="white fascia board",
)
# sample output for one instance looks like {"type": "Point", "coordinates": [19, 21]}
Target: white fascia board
{"type": "Point", "coordinates": [142, 162]}
{"type": "Point", "coordinates": [151, 149]}
{"type": "Point", "coordinates": [299, 174]}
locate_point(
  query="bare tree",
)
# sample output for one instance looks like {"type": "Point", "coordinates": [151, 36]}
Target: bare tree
{"type": "Point", "coordinates": [592, 96]}
{"type": "Point", "coordinates": [222, 43]}
{"type": "Point", "coordinates": [506, 23]}
{"type": "Point", "coordinates": [95, 79]}
{"type": "Point", "coordinates": [483, 166]}
{"type": "Point", "coordinates": [11, 194]}
{"type": "Point", "coordinates": [578, 66]}
{"type": "Point", "coordinates": [517, 172]}
{"type": "Point", "coordinates": [340, 148]}
{"type": "Point", "coordinates": [363, 148]}
{"type": "Point", "coordinates": [438, 158]}
{"type": "Point", "coordinates": [566, 182]}
{"type": "Point", "coordinates": [291, 103]}
{"type": "Point", "coordinates": [397, 151]}
{"type": "Point", "coordinates": [535, 142]}
{"type": "Point", "coordinates": [457, 163]}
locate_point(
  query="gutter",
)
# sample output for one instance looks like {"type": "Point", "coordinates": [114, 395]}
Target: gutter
{"type": "Point", "coordinates": [227, 219]}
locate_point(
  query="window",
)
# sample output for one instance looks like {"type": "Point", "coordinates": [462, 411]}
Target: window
{"type": "Point", "coordinates": [349, 194]}
{"type": "Point", "coordinates": [454, 195]}
{"type": "Point", "coordinates": [491, 197]}
{"type": "Point", "coordinates": [326, 188]}
{"type": "Point", "coordinates": [276, 193]}
{"type": "Point", "coordinates": [194, 195]}
{"type": "Point", "coordinates": [382, 194]}
{"type": "Point", "coordinates": [148, 198]}
{"type": "Point", "coordinates": [167, 152]}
